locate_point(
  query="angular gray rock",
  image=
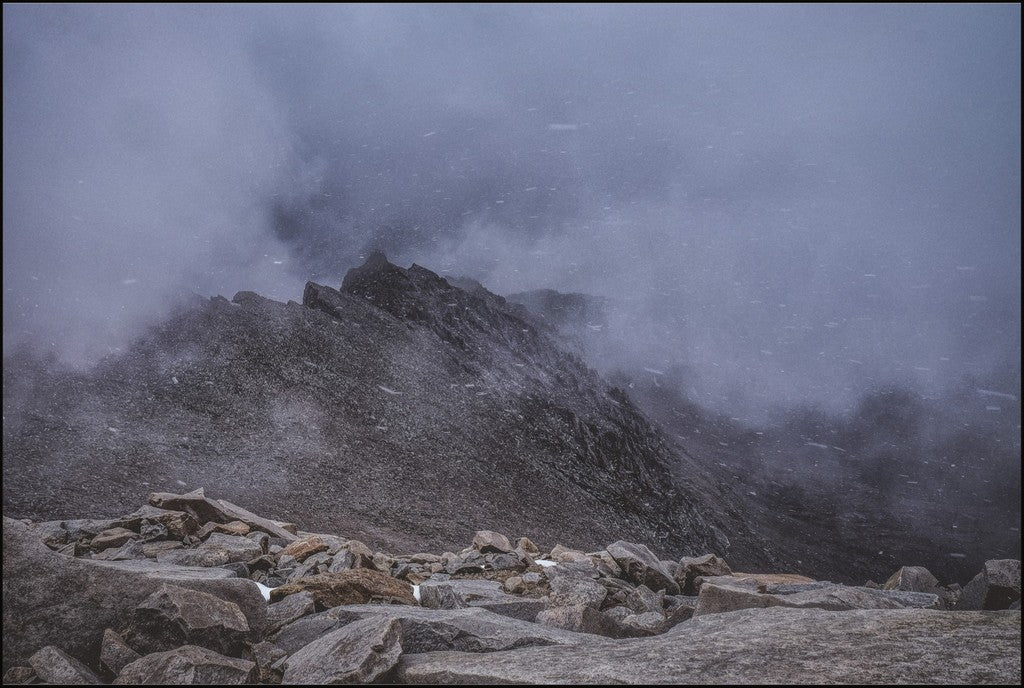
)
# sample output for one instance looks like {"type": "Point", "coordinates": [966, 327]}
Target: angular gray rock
{"type": "Point", "coordinates": [716, 599]}
{"type": "Point", "coordinates": [174, 616]}
{"type": "Point", "coordinates": [269, 659]}
{"type": "Point", "coordinates": [996, 587]}
{"type": "Point", "coordinates": [579, 618]}
{"type": "Point", "coordinates": [440, 596]}
{"type": "Point", "coordinates": [237, 547]}
{"type": "Point", "coordinates": [643, 600]}
{"type": "Point", "coordinates": [115, 653]}
{"type": "Point", "coordinates": [178, 524]}
{"type": "Point", "coordinates": [640, 566]}
{"type": "Point", "coordinates": [217, 550]}
{"type": "Point", "coordinates": [564, 555]}
{"type": "Point", "coordinates": [469, 630]}
{"type": "Point", "coordinates": [231, 528]}
{"type": "Point", "coordinates": [679, 612]}
{"type": "Point", "coordinates": [188, 665]}
{"type": "Point", "coordinates": [195, 503]}
{"type": "Point", "coordinates": [196, 556]}
{"type": "Point", "coordinates": [488, 541]}
{"type": "Point", "coordinates": [818, 646]}
{"type": "Point", "coordinates": [490, 595]}
{"type": "Point", "coordinates": [95, 595]}
{"type": "Point", "coordinates": [692, 567]}
{"type": "Point", "coordinates": [289, 609]}
{"type": "Point", "coordinates": [920, 579]}
{"type": "Point", "coordinates": [132, 549]}
{"type": "Point", "coordinates": [569, 589]}
{"type": "Point", "coordinates": [466, 591]}
{"type": "Point", "coordinates": [294, 636]}
{"type": "Point", "coordinates": [521, 608]}
{"type": "Point", "coordinates": [360, 652]}
{"type": "Point", "coordinates": [912, 579]}
{"type": "Point", "coordinates": [53, 665]}
{"type": "Point", "coordinates": [204, 510]}
{"type": "Point", "coordinates": [647, 623]}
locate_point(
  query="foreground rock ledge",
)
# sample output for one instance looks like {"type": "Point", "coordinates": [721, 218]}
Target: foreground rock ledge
{"type": "Point", "coordinates": [763, 646]}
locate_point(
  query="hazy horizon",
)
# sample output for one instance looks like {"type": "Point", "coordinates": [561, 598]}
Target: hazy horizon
{"type": "Point", "coordinates": [798, 204]}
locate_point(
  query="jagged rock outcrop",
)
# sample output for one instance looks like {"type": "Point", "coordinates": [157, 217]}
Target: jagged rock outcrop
{"type": "Point", "coordinates": [996, 587]}
{"type": "Point", "coordinates": [399, 409]}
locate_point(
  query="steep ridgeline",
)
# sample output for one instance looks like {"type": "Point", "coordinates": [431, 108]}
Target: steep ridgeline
{"type": "Point", "coordinates": [400, 409]}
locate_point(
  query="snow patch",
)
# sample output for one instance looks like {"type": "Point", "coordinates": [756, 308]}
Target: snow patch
{"type": "Point", "coordinates": [265, 591]}
{"type": "Point", "coordinates": [545, 562]}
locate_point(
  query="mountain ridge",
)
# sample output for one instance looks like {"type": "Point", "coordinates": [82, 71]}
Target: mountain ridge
{"type": "Point", "coordinates": [390, 413]}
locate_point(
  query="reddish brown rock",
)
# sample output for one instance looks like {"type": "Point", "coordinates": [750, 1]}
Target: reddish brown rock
{"type": "Point", "coordinates": [300, 549]}
{"type": "Point", "coordinates": [113, 537]}
{"type": "Point", "coordinates": [357, 586]}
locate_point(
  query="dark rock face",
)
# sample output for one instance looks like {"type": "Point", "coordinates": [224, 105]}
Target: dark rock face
{"type": "Point", "coordinates": [579, 618]}
{"type": "Point", "coordinates": [996, 587]}
{"type": "Point", "coordinates": [174, 616]}
{"type": "Point", "coordinates": [326, 412]}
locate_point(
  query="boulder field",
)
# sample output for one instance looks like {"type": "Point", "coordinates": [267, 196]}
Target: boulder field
{"type": "Point", "coordinates": [194, 590]}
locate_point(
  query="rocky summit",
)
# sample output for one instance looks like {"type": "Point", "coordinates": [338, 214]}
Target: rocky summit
{"type": "Point", "coordinates": [91, 601]}
{"type": "Point", "coordinates": [399, 408]}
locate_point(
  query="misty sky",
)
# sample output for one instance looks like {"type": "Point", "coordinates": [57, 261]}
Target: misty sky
{"type": "Point", "coordinates": [792, 202]}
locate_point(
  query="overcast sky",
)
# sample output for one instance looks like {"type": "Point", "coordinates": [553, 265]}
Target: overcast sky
{"type": "Point", "coordinates": [795, 202]}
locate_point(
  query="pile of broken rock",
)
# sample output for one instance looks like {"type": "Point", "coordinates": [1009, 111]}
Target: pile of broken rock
{"type": "Point", "coordinates": [193, 590]}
